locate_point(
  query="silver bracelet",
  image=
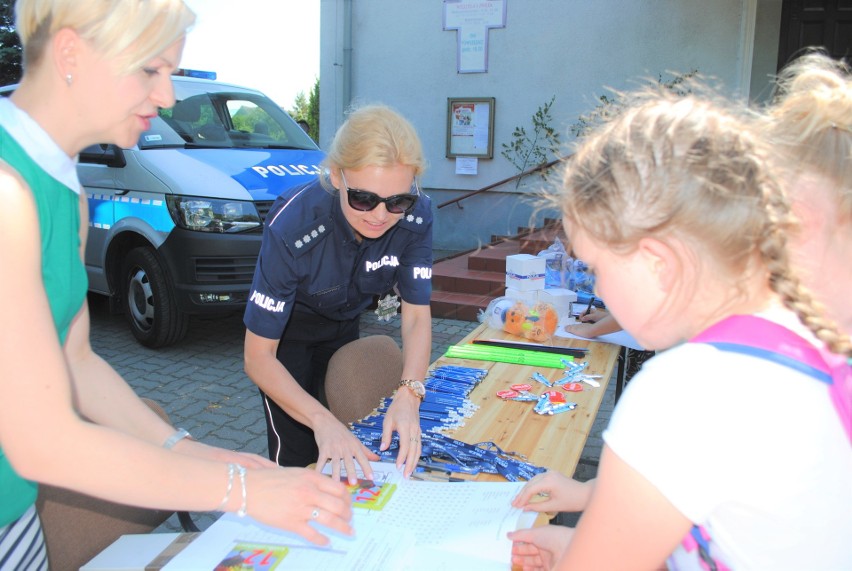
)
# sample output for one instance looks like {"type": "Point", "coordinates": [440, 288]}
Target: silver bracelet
{"type": "Point", "coordinates": [179, 435]}
{"type": "Point", "coordinates": [228, 489]}
{"type": "Point", "coordinates": [242, 472]}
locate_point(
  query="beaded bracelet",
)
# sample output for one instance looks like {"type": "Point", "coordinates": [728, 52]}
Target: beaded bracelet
{"type": "Point", "coordinates": [242, 472]}
{"type": "Point", "coordinates": [231, 468]}
{"type": "Point", "coordinates": [179, 435]}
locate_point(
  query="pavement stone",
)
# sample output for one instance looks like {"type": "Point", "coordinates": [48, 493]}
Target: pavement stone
{"type": "Point", "coordinates": [200, 381]}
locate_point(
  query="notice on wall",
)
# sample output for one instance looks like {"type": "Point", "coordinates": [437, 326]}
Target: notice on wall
{"type": "Point", "coordinates": [470, 127]}
{"type": "Point", "coordinates": [472, 19]}
{"type": "Point", "coordinates": [467, 165]}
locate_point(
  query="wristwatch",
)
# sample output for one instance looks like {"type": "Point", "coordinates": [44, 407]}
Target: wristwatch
{"type": "Point", "coordinates": [416, 387]}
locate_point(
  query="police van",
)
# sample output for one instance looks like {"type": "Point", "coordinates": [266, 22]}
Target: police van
{"type": "Point", "coordinates": [175, 222]}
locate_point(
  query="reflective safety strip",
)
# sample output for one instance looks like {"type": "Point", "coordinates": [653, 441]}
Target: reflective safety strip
{"type": "Point", "coordinates": [106, 209]}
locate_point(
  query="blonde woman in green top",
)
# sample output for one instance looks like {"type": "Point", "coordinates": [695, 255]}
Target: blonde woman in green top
{"type": "Point", "coordinates": [97, 71]}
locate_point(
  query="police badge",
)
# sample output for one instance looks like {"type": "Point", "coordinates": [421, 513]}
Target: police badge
{"type": "Point", "coordinates": [387, 307]}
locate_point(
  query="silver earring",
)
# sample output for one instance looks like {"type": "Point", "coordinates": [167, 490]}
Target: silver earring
{"type": "Point", "coordinates": [68, 79]}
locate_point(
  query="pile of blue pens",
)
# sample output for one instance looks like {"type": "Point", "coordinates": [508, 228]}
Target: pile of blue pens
{"type": "Point", "coordinates": [445, 406]}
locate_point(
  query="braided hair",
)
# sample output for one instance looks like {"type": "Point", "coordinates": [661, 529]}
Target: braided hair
{"type": "Point", "coordinates": [695, 168]}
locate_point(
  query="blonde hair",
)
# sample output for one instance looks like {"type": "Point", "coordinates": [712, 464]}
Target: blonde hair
{"type": "Point", "coordinates": [131, 31]}
{"type": "Point", "coordinates": [690, 168]}
{"type": "Point", "coordinates": [811, 122]}
{"type": "Point", "coordinates": [376, 135]}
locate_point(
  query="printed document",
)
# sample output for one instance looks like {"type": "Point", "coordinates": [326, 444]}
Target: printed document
{"type": "Point", "coordinates": [399, 524]}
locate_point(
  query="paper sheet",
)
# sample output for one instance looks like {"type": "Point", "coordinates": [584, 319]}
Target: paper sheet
{"type": "Point", "coordinates": [618, 338]}
{"type": "Point", "coordinates": [422, 525]}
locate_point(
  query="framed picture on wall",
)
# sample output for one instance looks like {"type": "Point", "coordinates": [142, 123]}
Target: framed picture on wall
{"type": "Point", "coordinates": [470, 127]}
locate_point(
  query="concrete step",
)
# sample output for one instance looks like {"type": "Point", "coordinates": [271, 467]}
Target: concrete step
{"type": "Point", "coordinates": [541, 239]}
{"type": "Point", "coordinates": [461, 306]}
{"type": "Point", "coordinates": [462, 286]}
{"type": "Point", "coordinates": [456, 275]}
{"type": "Point", "coordinates": [492, 258]}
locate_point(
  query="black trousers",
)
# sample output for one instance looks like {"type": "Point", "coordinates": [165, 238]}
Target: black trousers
{"type": "Point", "coordinates": [305, 349]}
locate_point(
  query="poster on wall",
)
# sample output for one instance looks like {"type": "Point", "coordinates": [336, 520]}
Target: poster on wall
{"type": "Point", "coordinates": [472, 22]}
{"type": "Point", "coordinates": [470, 127]}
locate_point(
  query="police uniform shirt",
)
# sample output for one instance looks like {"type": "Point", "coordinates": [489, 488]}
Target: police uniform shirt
{"type": "Point", "coordinates": [310, 258]}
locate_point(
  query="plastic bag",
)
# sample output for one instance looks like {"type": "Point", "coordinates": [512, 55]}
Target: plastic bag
{"type": "Point", "coordinates": [536, 323]}
{"type": "Point", "coordinates": [582, 280]}
{"type": "Point", "coordinates": [557, 272]}
{"type": "Point", "coordinates": [495, 314]}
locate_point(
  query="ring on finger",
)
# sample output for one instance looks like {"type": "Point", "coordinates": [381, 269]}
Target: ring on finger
{"type": "Point", "coordinates": [315, 514]}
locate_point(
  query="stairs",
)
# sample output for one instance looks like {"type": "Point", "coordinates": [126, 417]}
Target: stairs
{"type": "Point", "coordinates": [464, 284]}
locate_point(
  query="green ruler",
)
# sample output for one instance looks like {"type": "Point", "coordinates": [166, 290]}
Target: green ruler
{"type": "Point", "coordinates": [505, 355]}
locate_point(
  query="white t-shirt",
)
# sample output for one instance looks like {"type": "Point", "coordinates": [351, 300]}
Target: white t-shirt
{"type": "Point", "coordinates": [751, 450]}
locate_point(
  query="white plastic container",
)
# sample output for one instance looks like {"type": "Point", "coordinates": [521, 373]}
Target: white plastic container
{"type": "Point", "coordinates": [525, 272]}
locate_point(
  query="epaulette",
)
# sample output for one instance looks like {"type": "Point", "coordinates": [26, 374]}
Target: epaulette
{"type": "Point", "coordinates": [301, 240]}
{"type": "Point", "coordinates": [420, 218]}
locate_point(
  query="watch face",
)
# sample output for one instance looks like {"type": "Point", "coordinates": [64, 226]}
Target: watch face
{"type": "Point", "coordinates": [416, 386]}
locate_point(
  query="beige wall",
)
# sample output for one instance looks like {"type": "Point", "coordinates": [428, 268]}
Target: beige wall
{"type": "Point", "coordinates": [396, 52]}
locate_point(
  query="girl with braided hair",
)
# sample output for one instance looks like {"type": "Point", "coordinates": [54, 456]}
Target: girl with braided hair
{"type": "Point", "coordinates": [713, 459]}
{"type": "Point", "coordinates": [810, 123]}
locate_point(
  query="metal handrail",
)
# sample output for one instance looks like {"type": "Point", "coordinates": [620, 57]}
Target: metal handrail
{"type": "Point", "coordinates": [541, 167]}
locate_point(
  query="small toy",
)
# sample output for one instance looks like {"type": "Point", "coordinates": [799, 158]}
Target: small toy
{"type": "Point", "coordinates": [537, 323]}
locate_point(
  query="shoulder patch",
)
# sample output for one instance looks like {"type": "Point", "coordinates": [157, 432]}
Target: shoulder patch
{"type": "Point", "coordinates": [303, 239]}
{"type": "Point", "coordinates": [420, 218]}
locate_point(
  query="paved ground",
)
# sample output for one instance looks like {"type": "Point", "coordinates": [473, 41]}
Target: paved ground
{"type": "Point", "coordinates": [201, 384]}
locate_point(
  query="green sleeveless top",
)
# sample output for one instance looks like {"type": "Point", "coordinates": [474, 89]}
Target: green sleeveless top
{"type": "Point", "coordinates": [64, 279]}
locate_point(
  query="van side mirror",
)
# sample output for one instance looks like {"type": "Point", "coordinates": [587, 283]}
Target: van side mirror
{"type": "Point", "coordinates": [102, 154]}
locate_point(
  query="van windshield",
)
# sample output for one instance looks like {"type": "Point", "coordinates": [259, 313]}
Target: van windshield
{"type": "Point", "coordinates": [224, 120]}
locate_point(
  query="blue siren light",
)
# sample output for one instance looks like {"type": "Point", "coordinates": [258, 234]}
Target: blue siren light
{"type": "Point", "coordinates": [195, 73]}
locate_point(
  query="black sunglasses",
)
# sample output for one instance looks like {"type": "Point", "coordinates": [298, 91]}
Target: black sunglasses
{"type": "Point", "coordinates": [364, 200]}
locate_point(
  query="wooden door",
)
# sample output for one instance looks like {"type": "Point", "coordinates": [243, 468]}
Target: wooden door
{"type": "Point", "coordinates": [824, 23]}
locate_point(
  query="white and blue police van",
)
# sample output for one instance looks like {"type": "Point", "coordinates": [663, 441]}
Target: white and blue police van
{"type": "Point", "coordinates": [175, 222]}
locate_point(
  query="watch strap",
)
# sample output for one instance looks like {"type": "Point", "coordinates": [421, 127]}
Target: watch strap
{"type": "Point", "coordinates": [411, 384]}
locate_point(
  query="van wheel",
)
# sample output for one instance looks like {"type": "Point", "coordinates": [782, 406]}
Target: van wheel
{"type": "Point", "coordinates": [151, 313]}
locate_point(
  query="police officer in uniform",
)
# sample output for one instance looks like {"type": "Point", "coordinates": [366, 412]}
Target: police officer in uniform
{"type": "Point", "coordinates": [329, 248]}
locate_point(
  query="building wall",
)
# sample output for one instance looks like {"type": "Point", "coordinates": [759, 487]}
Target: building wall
{"type": "Point", "coordinates": [765, 63]}
{"type": "Point", "coordinates": [396, 52]}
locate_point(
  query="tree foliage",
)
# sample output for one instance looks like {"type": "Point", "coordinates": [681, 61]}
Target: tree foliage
{"type": "Point", "coordinates": [248, 117]}
{"type": "Point", "coordinates": [300, 107]}
{"type": "Point", "coordinates": [313, 117]}
{"type": "Point", "coordinates": [306, 108]}
{"type": "Point", "coordinates": [526, 151]}
{"type": "Point", "coordinates": [11, 52]}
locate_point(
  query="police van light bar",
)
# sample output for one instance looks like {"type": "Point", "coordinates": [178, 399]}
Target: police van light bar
{"type": "Point", "coordinates": [195, 73]}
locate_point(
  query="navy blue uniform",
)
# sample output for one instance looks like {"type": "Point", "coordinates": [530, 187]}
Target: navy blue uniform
{"type": "Point", "coordinates": [312, 282]}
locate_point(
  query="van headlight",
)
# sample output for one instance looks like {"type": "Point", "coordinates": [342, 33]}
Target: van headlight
{"type": "Point", "coordinates": [213, 214]}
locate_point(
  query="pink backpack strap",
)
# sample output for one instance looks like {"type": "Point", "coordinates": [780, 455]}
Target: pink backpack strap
{"type": "Point", "coordinates": [762, 338]}
{"type": "Point", "coordinates": [841, 396]}
{"type": "Point", "coordinates": [841, 388]}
